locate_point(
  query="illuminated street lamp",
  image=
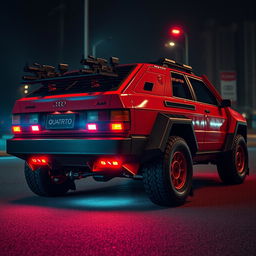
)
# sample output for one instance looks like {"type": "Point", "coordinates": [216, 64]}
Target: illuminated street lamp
{"type": "Point", "coordinates": [26, 87]}
{"type": "Point", "coordinates": [177, 32]}
{"type": "Point", "coordinates": [170, 44]}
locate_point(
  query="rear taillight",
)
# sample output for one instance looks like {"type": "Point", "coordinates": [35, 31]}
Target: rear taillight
{"type": "Point", "coordinates": [92, 127]}
{"type": "Point", "coordinates": [119, 115]}
{"type": "Point", "coordinates": [107, 163]}
{"type": "Point", "coordinates": [91, 121]}
{"type": "Point", "coordinates": [16, 119]}
{"type": "Point", "coordinates": [16, 129]}
{"type": "Point", "coordinates": [33, 119]}
{"type": "Point", "coordinates": [35, 128]}
{"type": "Point", "coordinates": [25, 123]}
{"type": "Point", "coordinates": [117, 127]}
{"type": "Point", "coordinates": [107, 121]}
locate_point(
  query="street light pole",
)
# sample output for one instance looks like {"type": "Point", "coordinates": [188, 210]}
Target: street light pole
{"type": "Point", "coordinates": [177, 32]}
{"type": "Point", "coordinates": [86, 26]}
{"type": "Point", "coordinates": [186, 48]}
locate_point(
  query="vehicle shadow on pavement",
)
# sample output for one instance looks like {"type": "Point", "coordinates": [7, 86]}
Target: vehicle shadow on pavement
{"type": "Point", "coordinates": [127, 196]}
{"type": "Point", "coordinates": [206, 181]}
{"type": "Point", "coordinates": [124, 196]}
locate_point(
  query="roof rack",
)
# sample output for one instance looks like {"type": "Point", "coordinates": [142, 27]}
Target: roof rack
{"type": "Point", "coordinates": [165, 62]}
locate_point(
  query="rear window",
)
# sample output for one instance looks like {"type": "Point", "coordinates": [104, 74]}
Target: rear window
{"type": "Point", "coordinates": [85, 84]}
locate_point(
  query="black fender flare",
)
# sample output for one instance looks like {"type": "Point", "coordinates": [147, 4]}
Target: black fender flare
{"type": "Point", "coordinates": [241, 127]}
{"type": "Point", "coordinates": [166, 125]}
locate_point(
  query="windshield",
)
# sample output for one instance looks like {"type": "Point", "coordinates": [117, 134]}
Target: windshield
{"type": "Point", "coordinates": [84, 84]}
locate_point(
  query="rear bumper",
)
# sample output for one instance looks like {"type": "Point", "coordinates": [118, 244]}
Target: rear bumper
{"type": "Point", "coordinates": [76, 146]}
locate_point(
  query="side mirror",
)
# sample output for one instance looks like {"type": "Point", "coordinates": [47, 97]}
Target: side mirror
{"type": "Point", "coordinates": [225, 103]}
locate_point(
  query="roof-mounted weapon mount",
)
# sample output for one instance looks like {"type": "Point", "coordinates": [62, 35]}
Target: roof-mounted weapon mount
{"type": "Point", "coordinates": [100, 66]}
{"type": "Point", "coordinates": [93, 66]}
{"type": "Point", "coordinates": [40, 71]}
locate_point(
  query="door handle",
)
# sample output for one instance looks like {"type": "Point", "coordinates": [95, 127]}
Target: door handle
{"type": "Point", "coordinates": [207, 111]}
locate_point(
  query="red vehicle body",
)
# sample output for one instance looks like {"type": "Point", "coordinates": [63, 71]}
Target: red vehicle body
{"type": "Point", "coordinates": [156, 122]}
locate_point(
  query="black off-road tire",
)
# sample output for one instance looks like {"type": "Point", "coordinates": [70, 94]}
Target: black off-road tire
{"type": "Point", "coordinates": [39, 181]}
{"type": "Point", "coordinates": [230, 167]}
{"type": "Point", "coordinates": [159, 183]}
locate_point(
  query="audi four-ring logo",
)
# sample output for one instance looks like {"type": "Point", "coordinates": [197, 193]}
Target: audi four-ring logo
{"type": "Point", "coordinates": [60, 104]}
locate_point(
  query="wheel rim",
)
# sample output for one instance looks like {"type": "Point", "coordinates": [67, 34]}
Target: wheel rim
{"type": "Point", "coordinates": [178, 170]}
{"type": "Point", "coordinates": [240, 159]}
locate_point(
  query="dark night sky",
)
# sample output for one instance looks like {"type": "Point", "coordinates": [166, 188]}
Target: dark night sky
{"type": "Point", "coordinates": [31, 32]}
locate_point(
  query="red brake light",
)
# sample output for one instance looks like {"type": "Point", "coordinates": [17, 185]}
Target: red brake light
{"type": "Point", "coordinates": [103, 163]}
{"type": "Point", "coordinates": [16, 129]}
{"type": "Point", "coordinates": [38, 161]}
{"type": "Point", "coordinates": [117, 127]}
{"type": "Point", "coordinates": [107, 164]}
{"type": "Point", "coordinates": [35, 128]}
{"type": "Point", "coordinates": [92, 127]}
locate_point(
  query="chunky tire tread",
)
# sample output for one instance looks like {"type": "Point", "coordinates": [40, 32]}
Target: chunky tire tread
{"type": "Point", "coordinates": [157, 180]}
{"type": "Point", "coordinates": [39, 182]}
{"type": "Point", "coordinates": [227, 166]}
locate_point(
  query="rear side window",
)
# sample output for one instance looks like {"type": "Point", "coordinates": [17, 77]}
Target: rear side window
{"type": "Point", "coordinates": [203, 93]}
{"type": "Point", "coordinates": [180, 87]}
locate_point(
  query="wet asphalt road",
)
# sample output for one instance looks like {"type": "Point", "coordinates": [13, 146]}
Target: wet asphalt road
{"type": "Point", "coordinates": [117, 218]}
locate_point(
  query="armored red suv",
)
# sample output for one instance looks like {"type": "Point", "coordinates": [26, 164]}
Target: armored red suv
{"type": "Point", "coordinates": [141, 121]}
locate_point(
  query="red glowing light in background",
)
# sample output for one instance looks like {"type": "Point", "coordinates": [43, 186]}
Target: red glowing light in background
{"type": "Point", "coordinates": [176, 31]}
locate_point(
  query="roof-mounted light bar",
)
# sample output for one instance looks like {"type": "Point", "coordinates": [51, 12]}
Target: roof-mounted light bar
{"type": "Point", "coordinates": [172, 63]}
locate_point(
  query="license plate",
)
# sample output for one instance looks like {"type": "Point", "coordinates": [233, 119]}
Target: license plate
{"type": "Point", "coordinates": [60, 121]}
